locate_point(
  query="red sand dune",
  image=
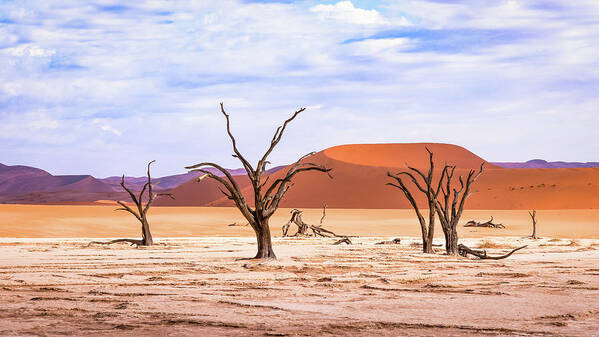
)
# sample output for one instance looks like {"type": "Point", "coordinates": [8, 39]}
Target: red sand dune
{"type": "Point", "coordinates": [359, 173]}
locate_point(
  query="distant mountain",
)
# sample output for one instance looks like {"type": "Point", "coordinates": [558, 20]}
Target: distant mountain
{"type": "Point", "coordinates": [24, 179]}
{"type": "Point", "coordinates": [30, 185]}
{"type": "Point", "coordinates": [540, 163]}
{"type": "Point", "coordinates": [162, 183]}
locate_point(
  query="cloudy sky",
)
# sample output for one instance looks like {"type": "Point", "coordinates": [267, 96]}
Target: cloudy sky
{"type": "Point", "coordinates": [99, 87]}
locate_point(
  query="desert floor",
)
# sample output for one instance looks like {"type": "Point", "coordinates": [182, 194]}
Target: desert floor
{"type": "Point", "coordinates": [196, 286]}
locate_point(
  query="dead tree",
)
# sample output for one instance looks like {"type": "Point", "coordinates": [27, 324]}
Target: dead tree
{"type": "Point", "coordinates": [427, 188]}
{"type": "Point", "coordinates": [482, 254]}
{"type": "Point", "coordinates": [452, 205]}
{"type": "Point", "coordinates": [304, 229]}
{"type": "Point", "coordinates": [266, 198]}
{"type": "Point", "coordinates": [533, 216]}
{"type": "Point", "coordinates": [296, 218]}
{"type": "Point", "coordinates": [140, 214]}
{"type": "Point", "coordinates": [488, 224]}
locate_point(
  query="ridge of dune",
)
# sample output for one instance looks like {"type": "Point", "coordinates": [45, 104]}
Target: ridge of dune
{"type": "Point", "coordinates": [403, 154]}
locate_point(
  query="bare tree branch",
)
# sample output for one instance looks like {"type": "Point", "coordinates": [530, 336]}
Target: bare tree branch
{"type": "Point", "coordinates": [265, 204]}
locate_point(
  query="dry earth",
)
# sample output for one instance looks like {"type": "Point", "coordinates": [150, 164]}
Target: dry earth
{"type": "Point", "coordinates": [195, 286]}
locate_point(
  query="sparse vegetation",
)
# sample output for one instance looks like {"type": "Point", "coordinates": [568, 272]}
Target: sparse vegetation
{"type": "Point", "coordinates": [266, 199]}
{"type": "Point", "coordinates": [452, 205]}
{"type": "Point", "coordinates": [533, 216]}
{"type": "Point", "coordinates": [140, 214]}
{"type": "Point", "coordinates": [428, 188]}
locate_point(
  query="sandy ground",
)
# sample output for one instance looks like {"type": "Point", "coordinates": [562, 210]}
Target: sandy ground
{"type": "Point", "coordinates": [102, 221]}
{"type": "Point", "coordinates": [196, 287]}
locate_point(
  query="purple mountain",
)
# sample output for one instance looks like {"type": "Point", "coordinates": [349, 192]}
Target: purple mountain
{"type": "Point", "coordinates": [540, 163]}
{"type": "Point", "coordinates": [30, 185]}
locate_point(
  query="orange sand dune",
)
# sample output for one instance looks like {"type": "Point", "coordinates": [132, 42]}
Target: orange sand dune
{"type": "Point", "coordinates": [360, 178]}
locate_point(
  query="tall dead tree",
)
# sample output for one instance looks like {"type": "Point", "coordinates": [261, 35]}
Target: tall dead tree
{"type": "Point", "coordinates": [266, 198]}
{"type": "Point", "coordinates": [533, 216]}
{"type": "Point", "coordinates": [450, 208]}
{"type": "Point", "coordinates": [429, 190]}
{"type": "Point", "coordinates": [141, 213]}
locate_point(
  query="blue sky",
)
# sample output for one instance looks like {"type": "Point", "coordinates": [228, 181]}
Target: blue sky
{"type": "Point", "coordinates": [100, 87]}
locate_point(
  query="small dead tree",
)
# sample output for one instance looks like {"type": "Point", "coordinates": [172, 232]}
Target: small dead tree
{"type": "Point", "coordinates": [533, 216]}
{"type": "Point", "coordinates": [450, 210]}
{"type": "Point", "coordinates": [266, 198]}
{"type": "Point", "coordinates": [140, 214]}
{"type": "Point", "coordinates": [488, 224]}
{"type": "Point", "coordinates": [427, 188]}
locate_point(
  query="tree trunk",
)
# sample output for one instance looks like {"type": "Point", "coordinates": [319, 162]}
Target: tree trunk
{"type": "Point", "coordinates": [145, 233]}
{"type": "Point", "coordinates": [427, 244]}
{"type": "Point", "coordinates": [264, 241]}
{"type": "Point", "coordinates": [451, 240]}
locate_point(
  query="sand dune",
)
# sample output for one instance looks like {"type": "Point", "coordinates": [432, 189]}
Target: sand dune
{"type": "Point", "coordinates": [359, 184]}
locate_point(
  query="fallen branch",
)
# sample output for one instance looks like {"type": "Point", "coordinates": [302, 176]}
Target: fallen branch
{"type": "Point", "coordinates": [488, 224]}
{"type": "Point", "coordinates": [482, 254]}
{"type": "Point", "coordinates": [395, 241]}
{"type": "Point", "coordinates": [235, 224]}
{"type": "Point", "coordinates": [304, 229]}
{"type": "Point", "coordinates": [344, 240]}
{"type": "Point", "coordinates": [131, 241]}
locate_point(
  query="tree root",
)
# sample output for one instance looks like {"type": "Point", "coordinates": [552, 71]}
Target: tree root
{"type": "Point", "coordinates": [488, 224]}
{"type": "Point", "coordinates": [482, 254]}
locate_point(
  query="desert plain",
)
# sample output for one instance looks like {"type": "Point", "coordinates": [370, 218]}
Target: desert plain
{"type": "Point", "coordinates": [193, 283]}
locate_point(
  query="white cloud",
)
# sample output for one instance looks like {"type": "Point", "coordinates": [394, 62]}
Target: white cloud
{"type": "Point", "coordinates": [377, 46]}
{"type": "Point", "coordinates": [346, 12]}
{"type": "Point", "coordinates": [110, 129]}
{"type": "Point", "coordinates": [107, 127]}
{"type": "Point", "coordinates": [29, 50]}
